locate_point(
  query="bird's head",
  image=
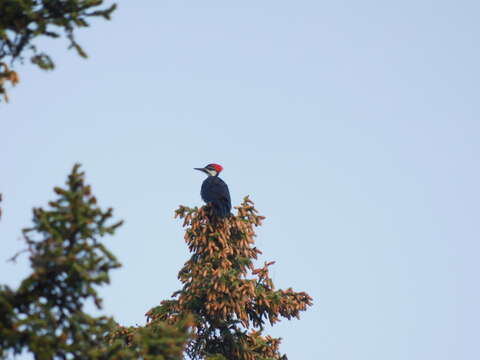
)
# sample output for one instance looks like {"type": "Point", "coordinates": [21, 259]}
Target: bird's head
{"type": "Point", "coordinates": [211, 169]}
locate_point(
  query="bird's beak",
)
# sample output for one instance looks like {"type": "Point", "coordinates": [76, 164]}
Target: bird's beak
{"type": "Point", "coordinates": [201, 169]}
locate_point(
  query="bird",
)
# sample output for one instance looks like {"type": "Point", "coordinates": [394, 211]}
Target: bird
{"type": "Point", "coordinates": [215, 192]}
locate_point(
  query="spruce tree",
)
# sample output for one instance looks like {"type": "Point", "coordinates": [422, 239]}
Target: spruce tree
{"type": "Point", "coordinates": [46, 314]}
{"type": "Point", "coordinates": [226, 298]}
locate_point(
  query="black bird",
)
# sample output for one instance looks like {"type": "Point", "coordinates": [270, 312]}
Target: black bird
{"type": "Point", "coordinates": [215, 191]}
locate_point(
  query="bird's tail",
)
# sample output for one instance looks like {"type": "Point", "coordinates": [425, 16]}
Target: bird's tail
{"type": "Point", "coordinates": [220, 210]}
{"type": "Point", "coordinates": [217, 211]}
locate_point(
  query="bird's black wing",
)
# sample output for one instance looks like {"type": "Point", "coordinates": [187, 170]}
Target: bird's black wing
{"type": "Point", "coordinates": [215, 191]}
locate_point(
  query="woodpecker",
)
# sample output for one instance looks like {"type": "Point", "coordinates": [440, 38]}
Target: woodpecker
{"type": "Point", "coordinates": [214, 191]}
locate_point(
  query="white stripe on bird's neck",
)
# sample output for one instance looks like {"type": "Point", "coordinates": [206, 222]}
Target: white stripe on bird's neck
{"type": "Point", "coordinates": [211, 172]}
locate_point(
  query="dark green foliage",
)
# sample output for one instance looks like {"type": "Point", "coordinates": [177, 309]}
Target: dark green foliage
{"type": "Point", "coordinates": [45, 314]}
{"type": "Point", "coordinates": [160, 341]}
{"type": "Point", "coordinates": [23, 21]}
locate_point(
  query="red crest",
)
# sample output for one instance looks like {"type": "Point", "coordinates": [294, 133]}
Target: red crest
{"type": "Point", "coordinates": [218, 168]}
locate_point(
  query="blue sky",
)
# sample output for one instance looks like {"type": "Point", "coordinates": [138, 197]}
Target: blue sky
{"type": "Point", "coordinates": [352, 125]}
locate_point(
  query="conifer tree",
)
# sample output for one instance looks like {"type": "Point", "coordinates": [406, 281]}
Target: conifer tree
{"type": "Point", "coordinates": [45, 315]}
{"type": "Point", "coordinates": [227, 300]}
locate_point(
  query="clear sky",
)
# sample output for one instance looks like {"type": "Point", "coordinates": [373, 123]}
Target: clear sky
{"type": "Point", "coordinates": [353, 125]}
